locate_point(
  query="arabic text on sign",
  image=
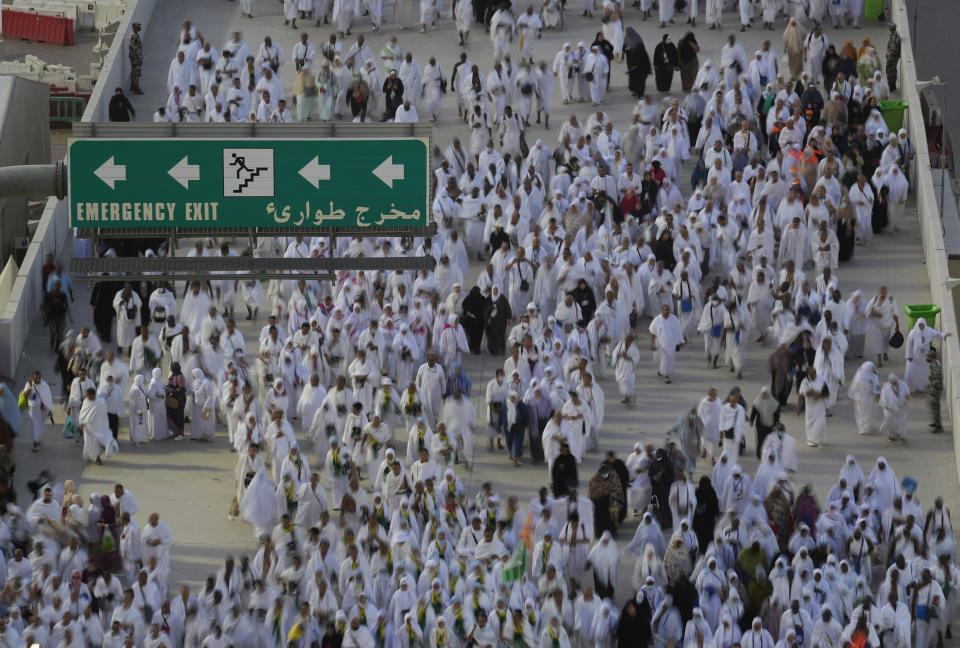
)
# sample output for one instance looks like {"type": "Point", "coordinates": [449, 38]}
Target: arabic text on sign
{"type": "Point", "coordinates": [288, 215]}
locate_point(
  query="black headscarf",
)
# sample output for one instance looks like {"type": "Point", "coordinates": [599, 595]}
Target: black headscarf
{"type": "Point", "coordinates": [175, 369]}
{"type": "Point", "coordinates": [634, 630]}
{"type": "Point", "coordinates": [632, 39]}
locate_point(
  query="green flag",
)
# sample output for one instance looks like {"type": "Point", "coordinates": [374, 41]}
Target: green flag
{"type": "Point", "coordinates": [517, 564]}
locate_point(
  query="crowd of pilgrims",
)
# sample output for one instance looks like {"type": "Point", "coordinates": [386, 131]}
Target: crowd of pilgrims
{"type": "Point", "coordinates": [352, 411]}
{"type": "Point", "coordinates": [749, 562]}
{"type": "Point", "coordinates": [337, 79]}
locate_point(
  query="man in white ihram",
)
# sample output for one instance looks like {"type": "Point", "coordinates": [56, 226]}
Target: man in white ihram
{"type": "Point", "coordinates": [666, 336]}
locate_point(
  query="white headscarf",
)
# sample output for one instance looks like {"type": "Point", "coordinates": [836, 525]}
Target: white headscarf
{"type": "Point", "coordinates": [865, 383]}
{"type": "Point", "coordinates": [851, 471]}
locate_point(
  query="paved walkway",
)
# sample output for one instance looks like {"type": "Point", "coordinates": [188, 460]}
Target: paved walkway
{"type": "Point", "coordinates": [191, 484]}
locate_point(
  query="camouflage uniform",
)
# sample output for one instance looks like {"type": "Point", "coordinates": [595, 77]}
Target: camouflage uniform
{"type": "Point", "coordinates": [934, 391]}
{"type": "Point", "coordinates": [893, 58]}
{"type": "Point", "coordinates": [136, 61]}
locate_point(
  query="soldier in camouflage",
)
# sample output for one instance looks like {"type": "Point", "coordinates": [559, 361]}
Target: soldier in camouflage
{"type": "Point", "coordinates": [934, 391]}
{"type": "Point", "coordinates": [893, 57]}
{"type": "Point", "coordinates": [136, 59]}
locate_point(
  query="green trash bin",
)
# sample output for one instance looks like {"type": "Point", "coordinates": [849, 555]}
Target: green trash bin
{"type": "Point", "coordinates": [872, 9]}
{"type": "Point", "coordinates": [916, 311]}
{"type": "Point", "coordinates": [892, 112]}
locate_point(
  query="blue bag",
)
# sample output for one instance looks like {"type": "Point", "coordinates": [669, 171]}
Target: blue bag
{"type": "Point", "coordinates": [69, 428]}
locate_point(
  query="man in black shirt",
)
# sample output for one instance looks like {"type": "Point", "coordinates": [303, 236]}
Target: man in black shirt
{"type": "Point", "coordinates": [55, 306]}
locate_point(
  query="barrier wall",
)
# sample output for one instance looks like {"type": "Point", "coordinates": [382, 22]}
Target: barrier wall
{"type": "Point", "coordinates": [116, 66]}
{"type": "Point", "coordinates": [26, 140]}
{"type": "Point", "coordinates": [23, 306]}
{"type": "Point", "coordinates": [22, 309]}
{"type": "Point", "coordinates": [931, 224]}
{"type": "Point", "coordinates": [7, 279]}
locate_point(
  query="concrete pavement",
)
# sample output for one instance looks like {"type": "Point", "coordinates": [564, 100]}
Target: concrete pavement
{"type": "Point", "coordinates": [191, 484]}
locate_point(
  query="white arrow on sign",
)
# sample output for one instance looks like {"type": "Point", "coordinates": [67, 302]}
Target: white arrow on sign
{"type": "Point", "coordinates": [314, 172]}
{"type": "Point", "coordinates": [111, 173]}
{"type": "Point", "coordinates": [183, 172]}
{"type": "Point", "coordinates": [388, 172]}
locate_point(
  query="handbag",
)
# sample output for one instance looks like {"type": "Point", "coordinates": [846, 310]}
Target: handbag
{"type": "Point", "coordinates": [172, 402]}
{"type": "Point", "coordinates": [588, 76]}
{"type": "Point", "coordinates": [716, 330]}
{"type": "Point", "coordinates": [686, 305]}
{"type": "Point", "coordinates": [524, 148]}
{"type": "Point", "coordinates": [22, 401]}
{"type": "Point", "coordinates": [896, 340]}
{"type": "Point", "coordinates": [107, 544]}
{"type": "Point", "coordinates": [728, 434]}
{"type": "Point", "coordinates": [69, 428]}
{"type": "Point", "coordinates": [524, 284]}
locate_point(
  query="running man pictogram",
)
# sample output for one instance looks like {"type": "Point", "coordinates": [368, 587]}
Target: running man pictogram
{"type": "Point", "coordinates": [240, 162]}
{"type": "Point", "coordinates": [248, 172]}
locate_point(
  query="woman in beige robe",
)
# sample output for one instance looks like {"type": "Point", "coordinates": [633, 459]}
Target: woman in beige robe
{"type": "Point", "coordinates": [793, 38]}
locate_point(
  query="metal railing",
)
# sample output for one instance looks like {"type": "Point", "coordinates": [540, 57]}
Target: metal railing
{"type": "Point", "coordinates": [67, 109]}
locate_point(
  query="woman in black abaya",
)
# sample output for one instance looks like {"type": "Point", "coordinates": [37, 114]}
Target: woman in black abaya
{"type": "Point", "coordinates": [846, 227]}
{"type": "Point", "coordinates": [706, 514]}
{"type": "Point", "coordinates": [661, 478]}
{"type": "Point", "coordinates": [638, 62]}
{"type": "Point", "coordinates": [663, 249]}
{"type": "Point", "coordinates": [688, 60]}
{"type": "Point", "coordinates": [496, 314]}
{"type": "Point", "coordinates": [665, 63]}
{"type": "Point", "coordinates": [583, 295]}
{"type": "Point", "coordinates": [633, 626]}
{"type": "Point", "coordinates": [472, 319]}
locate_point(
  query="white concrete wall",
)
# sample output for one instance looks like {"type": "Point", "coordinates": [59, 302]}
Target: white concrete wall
{"type": "Point", "coordinates": [21, 310]}
{"type": "Point", "coordinates": [928, 211]}
{"type": "Point", "coordinates": [116, 66]}
{"type": "Point", "coordinates": [7, 279]}
{"type": "Point", "coordinates": [24, 139]}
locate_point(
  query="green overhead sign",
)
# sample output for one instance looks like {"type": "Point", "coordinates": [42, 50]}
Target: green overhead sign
{"type": "Point", "coordinates": [244, 183]}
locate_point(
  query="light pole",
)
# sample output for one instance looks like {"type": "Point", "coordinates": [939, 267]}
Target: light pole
{"type": "Point", "coordinates": [934, 82]}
